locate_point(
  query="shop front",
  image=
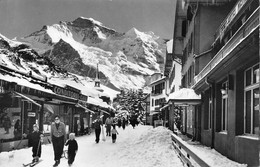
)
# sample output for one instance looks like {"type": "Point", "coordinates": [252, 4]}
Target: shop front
{"type": "Point", "coordinates": [22, 106]}
{"type": "Point", "coordinates": [183, 109]}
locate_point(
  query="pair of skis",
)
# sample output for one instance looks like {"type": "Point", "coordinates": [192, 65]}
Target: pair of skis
{"type": "Point", "coordinates": [31, 164]}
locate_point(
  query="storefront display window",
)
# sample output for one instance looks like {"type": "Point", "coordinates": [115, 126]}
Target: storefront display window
{"type": "Point", "coordinates": [10, 118]}
{"type": "Point", "coordinates": [48, 113]}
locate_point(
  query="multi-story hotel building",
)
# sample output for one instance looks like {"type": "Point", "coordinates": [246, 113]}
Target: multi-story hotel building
{"type": "Point", "coordinates": [220, 50]}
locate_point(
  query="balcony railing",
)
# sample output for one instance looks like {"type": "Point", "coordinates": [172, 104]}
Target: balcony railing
{"type": "Point", "coordinates": [230, 17]}
{"type": "Point", "coordinates": [246, 29]}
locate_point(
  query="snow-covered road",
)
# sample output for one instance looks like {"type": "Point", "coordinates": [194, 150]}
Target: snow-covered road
{"type": "Point", "coordinates": [143, 146]}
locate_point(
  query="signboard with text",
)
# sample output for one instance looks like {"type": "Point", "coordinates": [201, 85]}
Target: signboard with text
{"type": "Point", "coordinates": [69, 93]}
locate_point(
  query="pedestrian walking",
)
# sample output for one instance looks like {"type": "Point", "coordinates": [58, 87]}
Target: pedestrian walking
{"type": "Point", "coordinates": [133, 121]}
{"type": "Point", "coordinates": [58, 137]}
{"type": "Point", "coordinates": [97, 126]}
{"type": "Point", "coordinates": [114, 134]}
{"type": "Point", "coordinates": [34, 140]}
{"type": "Point", "coordinates": [119, 122]}
{"type": "Point", "coordinates": [72, 148]}
{"type": "Point", "coordinates": [123, 123]}
{"type": "Point", "coordinates": [108, 124]}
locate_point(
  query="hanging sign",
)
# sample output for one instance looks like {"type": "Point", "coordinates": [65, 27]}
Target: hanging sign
{"type": "Point", "coordinates": [31, 114]}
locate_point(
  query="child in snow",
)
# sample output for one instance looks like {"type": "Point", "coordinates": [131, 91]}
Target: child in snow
{"type": "Point", "coordinates": [114, 132]}
{"type": "Point", "coordinates": [35, 140]}
{"type": "Point", "coordinates": [73, 148]}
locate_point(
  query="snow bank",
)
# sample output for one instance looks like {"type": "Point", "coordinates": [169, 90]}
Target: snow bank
{"type": "Point", "coordinates": [143, 146]}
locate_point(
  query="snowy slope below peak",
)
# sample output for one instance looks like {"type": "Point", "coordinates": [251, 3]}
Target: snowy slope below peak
{"type": "Point", "coordinates": [125, 59]}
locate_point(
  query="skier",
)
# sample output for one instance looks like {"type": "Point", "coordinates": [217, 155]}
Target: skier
{"type": "Point", "coordinates": [73, 148]}
{"type": "Point", "coordinates": [97, 125]}
{"type": "Point", "coordinates": [58, 137]}
{"type": "Point", "coordinates": [35, 140]}
{"type": "Point", "coordinates": [114, 133]}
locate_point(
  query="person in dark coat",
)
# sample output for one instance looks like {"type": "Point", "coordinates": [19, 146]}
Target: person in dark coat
{"type": "Point", "coordinates": [17, 129]}
{"type": "Point", "coordinates": [34, 140]}
{"type": "Point", "coordinates": [123, 123]}
{"type": "Point", "coordinates": [119, 123]}
{"type": "Point", "coordinates": [132, 121]}
{"type": "Point", "coordinates": [72, 149]}
{"type": "Point", "coordinates": [58, 137]}
{"type": "Point", "coordinates": [97, 126]}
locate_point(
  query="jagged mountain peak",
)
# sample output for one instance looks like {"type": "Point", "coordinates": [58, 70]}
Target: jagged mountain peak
{"type": "Point", "coordinates": [134, 32]}
{"type": "Point", "coordinates": [84, 22]}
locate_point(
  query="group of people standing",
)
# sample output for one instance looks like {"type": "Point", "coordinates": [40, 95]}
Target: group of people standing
{"type": "Point", "coordinates": [58, 139]}
{"type": "Point", "coordinates": [110, 125]}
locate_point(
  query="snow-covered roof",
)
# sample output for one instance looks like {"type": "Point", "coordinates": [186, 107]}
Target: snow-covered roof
{"type": "Point", "coordinates": [169, 46]}
{"type": "Point", "coordinates": [185, 95]}
{"type": "Point", "coordinates": [158, 80]}
{"type": "Point", "coordinates": [98, 102]}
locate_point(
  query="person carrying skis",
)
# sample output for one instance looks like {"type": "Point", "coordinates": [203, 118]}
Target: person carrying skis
{"type": "Point", "coordinates": [114, 133]}
{"type": "Point", "coordinates": [35, 139]}
{"type": "Point", "coordinates": [72, 149]}
{"type": "Point", "coordinates": [108, 124]}
{"type": "Point", "coordinates": [58, 138]}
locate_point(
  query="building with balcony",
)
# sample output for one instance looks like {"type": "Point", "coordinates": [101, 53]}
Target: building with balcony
{"type": "Point", "coordinates": [157, 96]}
{"type": "Point", "coordinates": [221, 63]}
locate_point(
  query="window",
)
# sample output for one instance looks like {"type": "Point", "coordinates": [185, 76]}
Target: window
{"type": "Point", "coordinates": [29, 106]}
{"type": "Point", "coordinates": [224, 107]}
{"type": "Point", "coordinates": [183, 28]}
{"type": "Point", "coordinates": [251, 94]}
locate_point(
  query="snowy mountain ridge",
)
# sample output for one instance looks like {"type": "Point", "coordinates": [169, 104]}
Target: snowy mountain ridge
{"type": "Point", "coordinates": [21, 64]}
{"type": "Point", "coordinates": [125, 59]}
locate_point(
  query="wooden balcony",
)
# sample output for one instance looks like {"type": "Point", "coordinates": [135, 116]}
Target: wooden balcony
{"type": "Point", "coordinates": [243, 32]}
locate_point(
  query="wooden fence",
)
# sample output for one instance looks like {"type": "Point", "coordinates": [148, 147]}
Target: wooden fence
{"type": "Point", "coordinates": [188, 157]}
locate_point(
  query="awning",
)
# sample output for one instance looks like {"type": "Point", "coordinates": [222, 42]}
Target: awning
{"type": "Point", "coordinates": [185, 96]}
{"type": "Point", "coordinates": [90, 111]}
{"type": "Point", "coordinates": [153, 113]}
{"type": "Point", "coordinates": [27, 98]}
{"type": "Point", "coordinates": [105, 112]}
{"type": "Point", "coordinates": [86, 109]}
{"type": "Point", "coordinates": [164, 107]}
{"type": "Point", "coordinates": [48, 108]}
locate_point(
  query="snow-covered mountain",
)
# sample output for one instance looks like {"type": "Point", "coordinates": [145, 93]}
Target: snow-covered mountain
{"type": "Point", "coordinates": [125, 59]}
{"type": "Point", "coordinates": [23, 65]}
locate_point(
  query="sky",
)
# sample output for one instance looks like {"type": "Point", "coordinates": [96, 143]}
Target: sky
{"type": "Point", "coordinates": [19, 18]}
{"type": "Point", "coordinates": [153, 144]}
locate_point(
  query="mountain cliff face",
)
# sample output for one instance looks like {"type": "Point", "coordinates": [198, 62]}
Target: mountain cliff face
{"type": "Point", "coordinates": [125, 59]}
